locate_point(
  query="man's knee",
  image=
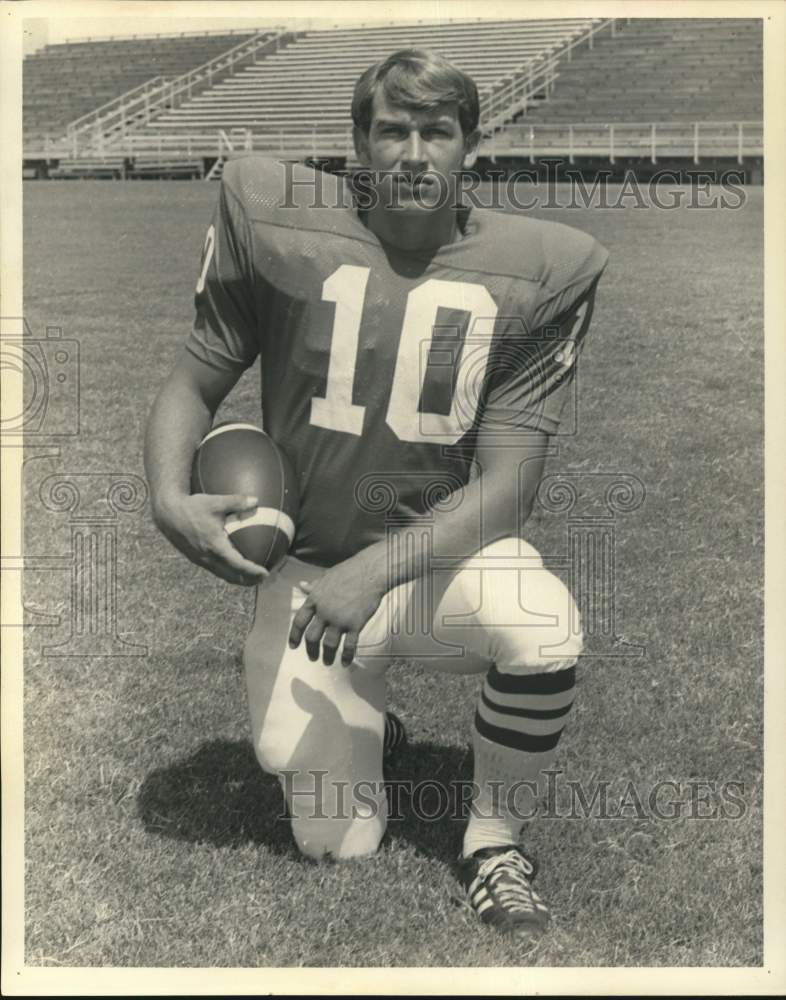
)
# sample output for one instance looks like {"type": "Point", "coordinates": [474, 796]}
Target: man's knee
{"type": "Point", "coordinates": [340, 838]}
{"type": "Point", "coordinates": [531, 618]}
{"type": "Point", "coordinates": [286, 741]}
{"type": "Point", "coordinates": [268, 725]}
{"type": "Point", "coordinates": [335, 818]}
{"type": "Point", "coordinates": [271, 751]}
{"type": "Point", "coordinates": [334, 814]}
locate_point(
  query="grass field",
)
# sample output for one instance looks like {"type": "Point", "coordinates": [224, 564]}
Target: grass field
{"type": "Point", "coordinates": [152, 838]}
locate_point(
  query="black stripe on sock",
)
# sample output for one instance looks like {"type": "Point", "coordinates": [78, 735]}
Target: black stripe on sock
{"type": "Point", "coordinates": [525, 742]}
{"type": "Point", "coordinates": [552, 683]}
{"type": "Point", "coordinates": [525, 713]}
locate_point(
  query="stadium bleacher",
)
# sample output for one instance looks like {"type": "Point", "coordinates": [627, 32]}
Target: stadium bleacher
{"type": "Point", "coordinates": [676, 87]}
{"type": "Point", "coordinates": [62, 82]}
{"type": "Point", "coordinates": [308, 86]}
{"type": "Point", "coordinates": [655, 70]}
{"type": "Point", "coordinates": [579, 86]}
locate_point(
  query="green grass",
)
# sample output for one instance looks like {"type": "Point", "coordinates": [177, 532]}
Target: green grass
{"type": "Point", "coordinates": [151, 836]}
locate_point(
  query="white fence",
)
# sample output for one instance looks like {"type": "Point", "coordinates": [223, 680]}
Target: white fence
{"type": "Point", "coordinates": [650, 140]}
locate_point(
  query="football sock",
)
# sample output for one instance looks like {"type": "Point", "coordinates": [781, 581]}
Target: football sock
{"type": "Point", "coordinates": [518, 723]}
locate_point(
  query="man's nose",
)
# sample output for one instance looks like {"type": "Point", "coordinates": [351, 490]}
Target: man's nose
{"type": "Point", "coordinates": [413, 152]}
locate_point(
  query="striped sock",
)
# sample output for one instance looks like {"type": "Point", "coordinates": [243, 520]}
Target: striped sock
{"type": "Point", "coordinates": [518, 723]}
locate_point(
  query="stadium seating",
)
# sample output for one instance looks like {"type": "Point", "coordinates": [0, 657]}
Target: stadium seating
{"type": "Point", "coordinates": [661, 71]}
{"type": "Point", "coordinates": [698, 82]}
{"type": "Point", "coordinates": [308, 86]}
{"type": "Point", "coordinates": [686, 88]}
{"type": "Point", "coordinates": [63, 82]}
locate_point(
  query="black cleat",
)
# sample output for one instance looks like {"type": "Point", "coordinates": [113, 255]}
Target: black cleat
{"type": "Point", "coordinates": [497, 884]}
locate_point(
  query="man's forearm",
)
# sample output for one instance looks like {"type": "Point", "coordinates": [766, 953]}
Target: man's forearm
{"type": "Point", "coordinates": [178, 421]}
{"type": "Point", "coordinates": [482, 514]}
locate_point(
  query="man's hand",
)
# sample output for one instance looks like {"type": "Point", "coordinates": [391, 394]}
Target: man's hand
{"type": "Point", "coordinates": [195, 526]}
{"type": "Point", "coordinates": [338, 605]}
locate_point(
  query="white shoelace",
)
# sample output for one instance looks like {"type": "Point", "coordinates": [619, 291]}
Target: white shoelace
{"type": "Point", "coordinates": [518, 895]}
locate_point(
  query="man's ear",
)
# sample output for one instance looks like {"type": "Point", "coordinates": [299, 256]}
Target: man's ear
{"type": "Point", "coordinates": [360, 139]}
{"type": "Point", "coordinates": [471, 144]}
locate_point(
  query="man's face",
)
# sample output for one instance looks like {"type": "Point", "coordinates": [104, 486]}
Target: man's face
{"type": "Point", "coordinates": [416, 144]}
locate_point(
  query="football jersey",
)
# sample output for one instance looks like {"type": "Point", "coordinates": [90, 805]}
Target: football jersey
{"type": "Point", "coordinates": [379, 367]}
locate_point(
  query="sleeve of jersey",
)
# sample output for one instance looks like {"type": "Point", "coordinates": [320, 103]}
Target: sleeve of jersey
{"type": "Point", "coordinates": [535, 370]}
{"type": "Point", "coordinates": [224, 333]}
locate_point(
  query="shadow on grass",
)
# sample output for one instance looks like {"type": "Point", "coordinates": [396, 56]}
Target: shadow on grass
{"type": "Point", "coordinates": [424, 798]}
{"type": "Point", "coordinates": [220, 796]}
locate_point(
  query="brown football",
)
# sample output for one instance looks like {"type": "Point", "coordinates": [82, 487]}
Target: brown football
{"type": "Point", "coordinates": [242, 458]}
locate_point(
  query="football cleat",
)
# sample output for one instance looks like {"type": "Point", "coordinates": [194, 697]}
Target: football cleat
{"type": "Point", "coordinates": [497, 884]}
{"type": "Point", "coordinates": [395, 735]}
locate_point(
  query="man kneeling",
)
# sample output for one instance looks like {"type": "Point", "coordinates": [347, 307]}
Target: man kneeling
{"type": "Point", "coordinates": [416, 354]}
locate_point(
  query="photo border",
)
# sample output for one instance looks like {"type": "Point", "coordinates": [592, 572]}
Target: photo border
{"type": "Point", "coordinates": [18, 979]}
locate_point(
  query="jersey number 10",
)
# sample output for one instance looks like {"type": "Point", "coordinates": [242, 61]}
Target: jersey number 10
{"type": "Point", "coordinates": [346, 287]}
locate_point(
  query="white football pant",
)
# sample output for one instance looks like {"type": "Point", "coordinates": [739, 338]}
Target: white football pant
{"type": "Point", "coordinates": [320, 728]}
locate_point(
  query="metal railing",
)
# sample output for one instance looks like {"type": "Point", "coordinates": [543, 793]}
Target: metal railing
{"type": "Point", "coordinates": [163, 35]}
{"type": "Point", "coordinates": [183, 87]}
{"type": "Point", "coordinates": [225, 142]}
{"type": "Point", "coordinates": [535, 76]}
{"type": "Point", "coordinates": [127, 99]}
{"type": "Point", "coordinates": [93, 133]}
{"type": "Point", "coordinates": [329, 24]}
{"type": "Point", "coordinates": [609, 140]}
{"type": "Point", "coordinates": [106, 126]}
{"type": "Point", "coordinates": [305, 24]}
{"type": "Point", "coordinates": [602, 140]}
{"type": "Point", "coordinates": [137, 107]}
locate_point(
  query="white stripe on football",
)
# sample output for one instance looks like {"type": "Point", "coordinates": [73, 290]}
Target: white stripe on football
{"type": "Point", "coordinates": [262, 515]}
{"type": "Point", "coordinates": [230, 427]}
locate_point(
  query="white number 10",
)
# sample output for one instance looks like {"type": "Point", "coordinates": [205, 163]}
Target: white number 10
{"type": "Point", "coordinates": [336, 411]}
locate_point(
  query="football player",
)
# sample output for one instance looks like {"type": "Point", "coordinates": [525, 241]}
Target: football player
{"type": "Point", "coordinates": [416, 355]}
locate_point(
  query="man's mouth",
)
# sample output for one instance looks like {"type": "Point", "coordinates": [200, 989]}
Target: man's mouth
{"type": "Point", "coordinates": [421, 190]}
{"type": "Point", "coordinates": [414, 181]}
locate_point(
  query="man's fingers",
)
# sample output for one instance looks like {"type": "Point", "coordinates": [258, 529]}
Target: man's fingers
{"type": "Point", "coordinates": [236, 577]}
{"type": "Point", "coordinates": [226, 551]}
{"type": "Point", "coordinates": [299, 623]}
{"type": "Point", "coordinates": [330, 641]}
{"type": "Point", "coordinates": [349, 649]}
{"type": "Point", "coordinates": [313, 636]}
{"type": "Point", "coordinates": [227, 503]}
{"type": "Point", "coordinates": [218, 567]}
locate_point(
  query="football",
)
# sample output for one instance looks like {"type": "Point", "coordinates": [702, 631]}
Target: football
{"type": "Point", "coordinates": [242, 458]}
